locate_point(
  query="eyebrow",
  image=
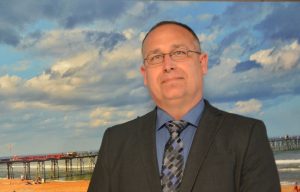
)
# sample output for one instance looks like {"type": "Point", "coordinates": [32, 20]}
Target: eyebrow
{"type": "Point", "coordinates": [175, 46]}
{"type": "Point", "coordinates": [154, 51]}
{"type": "Point", "coordinates": [178, 46]}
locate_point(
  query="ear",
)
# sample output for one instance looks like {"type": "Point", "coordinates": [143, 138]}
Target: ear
{"type": "Point", "coordinates": [144, 74]}
{"type": "Point", "coordinates": [203, 58]}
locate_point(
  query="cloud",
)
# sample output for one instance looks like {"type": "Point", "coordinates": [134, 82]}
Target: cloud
{"type": "Point", "coordinates": [132, 74]}
{"type": "Point", "coordinates": [88, 11]}
{"type": "Point", "coordinates": [43, 105]}
{"type": "Point", "coordinates": [102, 117]}
{"type": "Point", "coordinates": [54, 83]}
{"type": "Point", "coordinates": [204, 17]}
{"type": "Point", "coordinates": [105, 40]}
{"type": "Point", "coordinates": [9, 36]}
{"type": "Point", "coordinates": [70, 14]}
{"type": "Point", "coordinates": [238, 12]}
{"type": "Point", "coordinates": [244, 64]}
{"type": "Point", "coordinates": [108, 116]}
{"type": "Point", "coordinates": [286, 57]}
{"type": "Point", "coordinates": [230, 30]}
{"type": "Point", "coordinates": [140, 11]}
{"type": "Point", "coordinates": [17, 16]}
{"type": "Point", "coordinates": [242, 37]}
{"type": "Point", "coordinates": [129, 33]}
{"type": "Point", "coordinates": [14, 17]}
{"type": "Point", "coordinates": [246, 107]}
{"type": "Point", "coordinates": [277, 76]}
{"type": "Point", "coordinates": [9, 83]}
{"type": "Point", "coordinates": [204, 38]}
{"type": "Point", "coordinates": [66, 42]}
{"type": "Point", "coordinates": [84, 77]}
{"type": "Point", "coordinates": [282, 23]}
{"type": "Point", "coordinates": [125, 52]}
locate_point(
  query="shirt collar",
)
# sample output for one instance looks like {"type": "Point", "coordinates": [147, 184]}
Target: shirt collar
{"type": "Point", "coordinates": [193, 116]}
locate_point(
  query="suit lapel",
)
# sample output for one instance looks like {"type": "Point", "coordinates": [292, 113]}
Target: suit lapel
{"type": "Point", "coordinates": [147, 125]}
{"type": "Point", "coordinates": [204, 137]}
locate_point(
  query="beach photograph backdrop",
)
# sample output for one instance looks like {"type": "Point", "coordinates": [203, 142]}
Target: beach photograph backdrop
{"type": "Point", "coordinates": [70, 69]}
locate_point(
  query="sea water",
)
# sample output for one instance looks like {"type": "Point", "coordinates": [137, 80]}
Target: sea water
{"type": "Point", "coordinates": [288, 165]}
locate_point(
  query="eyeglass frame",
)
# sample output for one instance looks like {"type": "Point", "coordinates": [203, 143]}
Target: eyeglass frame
{"type": "Point", "coordinates": [170, 55]}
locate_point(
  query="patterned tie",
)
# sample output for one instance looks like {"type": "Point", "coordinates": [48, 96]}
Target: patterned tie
{"type": "Point", "coordinates": [172, 166]}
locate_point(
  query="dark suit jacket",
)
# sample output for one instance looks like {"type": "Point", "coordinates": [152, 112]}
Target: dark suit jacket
{"type": "Point", "coordinates": [229, 153]}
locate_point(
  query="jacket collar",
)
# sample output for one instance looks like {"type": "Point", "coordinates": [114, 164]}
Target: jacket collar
{"type": "Point", "coordinates": [203, 139]}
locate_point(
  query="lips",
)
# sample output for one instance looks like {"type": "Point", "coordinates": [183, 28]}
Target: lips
{"type": "Point", "coordinates": [167, 80]}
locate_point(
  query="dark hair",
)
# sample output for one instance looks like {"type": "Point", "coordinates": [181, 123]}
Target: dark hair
{"type": "Point", "coordinates": [173, 23]}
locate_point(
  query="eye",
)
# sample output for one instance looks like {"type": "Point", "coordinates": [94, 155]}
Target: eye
{"type": "Point", "coordinates": [154, 58]}
{"type": "Point", "coordinates": [179, 53]}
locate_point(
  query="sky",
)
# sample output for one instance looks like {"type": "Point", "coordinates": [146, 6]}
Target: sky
{"type": "Point", "coordinates": [70, 69]}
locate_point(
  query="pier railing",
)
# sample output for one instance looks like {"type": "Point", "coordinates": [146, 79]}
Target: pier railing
{"type": "Point", "coordinates": [61, 165]}
{"type": "Point", "coordinates": [286, 143]}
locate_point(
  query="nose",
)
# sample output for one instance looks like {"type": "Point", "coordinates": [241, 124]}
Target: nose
{"type": "Point", "coordinates": [168, 64]}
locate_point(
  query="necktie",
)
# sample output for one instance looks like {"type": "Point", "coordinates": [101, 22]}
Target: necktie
{"type": "Point", "coordinates": [172, 166]}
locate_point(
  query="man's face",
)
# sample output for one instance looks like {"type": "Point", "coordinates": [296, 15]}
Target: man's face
{"type": "Point", "coordinates": [173, 82]}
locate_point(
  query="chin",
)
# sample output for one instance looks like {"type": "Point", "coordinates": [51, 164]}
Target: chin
{"type": "Point", "coordinates": [173, 96]}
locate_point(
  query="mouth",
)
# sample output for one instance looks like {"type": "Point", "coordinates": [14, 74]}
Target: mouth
{"type": "Point", "coordinates": [167, 80]}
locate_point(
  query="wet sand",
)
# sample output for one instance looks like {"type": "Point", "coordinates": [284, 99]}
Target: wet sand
{"type": "Point", "coordinates": [16, 185]}
{"type": "Point", "coordinates": [287, 188]}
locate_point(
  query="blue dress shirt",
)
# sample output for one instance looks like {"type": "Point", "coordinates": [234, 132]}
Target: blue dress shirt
{"type": "Point", "coordinates": [187, 135]}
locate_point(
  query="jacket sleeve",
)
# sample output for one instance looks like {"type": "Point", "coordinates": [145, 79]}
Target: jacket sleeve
{"type": "Point", "coordinates": [100, 181]}
{"type": "Point", "coordinates": [259, 172]}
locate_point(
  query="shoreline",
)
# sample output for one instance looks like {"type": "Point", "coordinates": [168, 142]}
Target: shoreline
{"type": "Point", "coordinates": [17, 185]}
{"type": "Point", "coordinates": [287, 188]}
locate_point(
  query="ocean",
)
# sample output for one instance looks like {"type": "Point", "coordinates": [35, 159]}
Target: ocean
{"type": "Point", "coordinates": [288, 165]}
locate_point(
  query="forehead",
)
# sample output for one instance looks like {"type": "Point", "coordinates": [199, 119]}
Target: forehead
{"type": "Point", "coordinates": [168, 36]}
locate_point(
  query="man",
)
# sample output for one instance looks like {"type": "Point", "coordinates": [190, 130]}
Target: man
{"type": "Point", "coordinates": [184, 144]}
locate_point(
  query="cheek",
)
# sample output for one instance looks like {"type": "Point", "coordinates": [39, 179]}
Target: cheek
{"type": "Point", "coordinates": [151, 79]}
{"type": "Point", "coordinates": [194, 76]}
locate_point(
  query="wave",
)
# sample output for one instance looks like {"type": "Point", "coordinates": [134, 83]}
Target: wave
{"type": "Point", "coordinates": [287, 182]}
{"type": "Point", "coordinates": [289, 169]}
{"type": "Point", "coordinates": [288, 161]}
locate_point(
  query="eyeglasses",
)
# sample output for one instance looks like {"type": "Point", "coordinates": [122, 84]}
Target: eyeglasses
{"type": "Point", "coordinates": [177, 55]}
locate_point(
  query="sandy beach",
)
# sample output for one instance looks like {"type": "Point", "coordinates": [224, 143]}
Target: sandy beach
{"type": "Point", "coordinates": [16, 185]}
{"type": "Point", "coordinates": [286, 188]}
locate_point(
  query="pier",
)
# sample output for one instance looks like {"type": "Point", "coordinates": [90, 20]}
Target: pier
{"type": "Point", "coordinates": [60, 165]}
{"type": "Point", "coordinates": [80, 163]}
{"type": "Point", "coordinates": [286, 143]}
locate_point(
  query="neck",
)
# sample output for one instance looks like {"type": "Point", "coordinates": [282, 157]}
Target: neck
{"type": "Point", "coordinates": [178, 109]}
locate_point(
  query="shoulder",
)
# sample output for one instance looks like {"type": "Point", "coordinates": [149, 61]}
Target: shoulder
{"type": "Point", "coordinates": [237, 127]}
{"type": "Point", "coordinates": [238, 133]}
{"type": "Point", "coordinates": [231, 118]}
{"type": "Point", "coordinates": [123, 139]}
{"type": "Point", "coordinates": [129, 129]}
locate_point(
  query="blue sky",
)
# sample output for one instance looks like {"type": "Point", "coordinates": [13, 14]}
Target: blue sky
{"type": "Point", "coordinates": [70, 69]}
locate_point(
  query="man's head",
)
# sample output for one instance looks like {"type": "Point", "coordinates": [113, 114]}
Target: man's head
{"type": "Point", "coordinates": [197, 41]}
{"type": "Point", "coordinates": [173, 66]}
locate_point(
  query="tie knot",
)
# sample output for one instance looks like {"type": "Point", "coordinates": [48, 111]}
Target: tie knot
{"type": "Point", "coordinates": [176, 126]}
